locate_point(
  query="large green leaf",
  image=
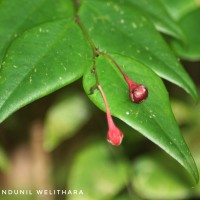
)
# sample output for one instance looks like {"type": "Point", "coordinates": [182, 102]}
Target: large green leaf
{"type": "Point", "coordinates": [153, 118]}
{"type": "Point", "coordinates": [124, 30]}
{"type": "Point", "coordinates": [159, 16]}
{"type": "Point", "coordinates": [18, 16]}
{"type": "Point", "coordinates": [178, 8]}
{"type": "Point", "coordinates": [191, 27]}
{"type": "Point", "coordinates": [41, 61]}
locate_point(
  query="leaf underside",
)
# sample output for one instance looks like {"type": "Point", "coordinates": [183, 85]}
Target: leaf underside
{"type": "Point", "coordinates": [152, 118]}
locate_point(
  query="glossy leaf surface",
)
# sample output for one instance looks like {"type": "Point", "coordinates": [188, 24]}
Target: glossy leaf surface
{"type": "Point", "coordinates": [18, 16]}
{"type": "Point", "coordinates": [41, 61]}
{"type": "Point", "coordinates": [127, 32]}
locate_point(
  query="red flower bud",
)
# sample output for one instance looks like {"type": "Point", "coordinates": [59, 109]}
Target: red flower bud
{"type": "Point", "coordinates": [137, 92]}
{"type": "Point", "coordinates": [114, 134]}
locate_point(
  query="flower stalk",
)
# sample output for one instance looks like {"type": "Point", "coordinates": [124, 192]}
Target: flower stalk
{"type": "Point", "coordinates": [114, 134]}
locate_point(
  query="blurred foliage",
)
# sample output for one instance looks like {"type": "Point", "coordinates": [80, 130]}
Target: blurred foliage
{"type": "Point", "coordinates": [4, 162]}
{"type": "Point", "coordinates": [65, 118]}
{"type": "Point", "coordinates": [76, 155]}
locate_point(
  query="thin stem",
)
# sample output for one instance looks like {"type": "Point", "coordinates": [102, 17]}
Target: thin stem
{"type": "Point", "coordinates": [109, 118]}
{"type": "Point", "coordinates": [76, 6]}
{"type": "Point", "coordinates": [112, 59]}
{"type": "Point", "coordinates": [128, 80]}
{"type": "Point", "coordinates": [79, 22]}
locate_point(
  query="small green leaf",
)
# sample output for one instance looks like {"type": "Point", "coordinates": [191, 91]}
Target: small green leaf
{"type": "Point", "coordinates": [41, 61]}
{"type": "Point", "coordinates": [65, 118]}
{"type": "Point", "coordinates": [191, 27]}
{"type": "Point", "coordinates": [124, 30]}
{"type": "Point", "coordinates": [153, 118]}
{"type": "Point", "coordinates": [178, 8]}
{"type": "Point", "coordinates": [97, 173]}
{"type": "Point", "coordinates": [18, 16]}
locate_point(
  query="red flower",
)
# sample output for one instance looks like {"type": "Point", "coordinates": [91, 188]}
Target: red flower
{"type": "Point", "coordinates": [137, 92]}
{"type": "Point", "coordinates": [114, 134]}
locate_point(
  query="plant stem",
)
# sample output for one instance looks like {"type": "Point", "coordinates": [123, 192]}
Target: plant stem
{"type": "Point", "coordinates": [112, 59]}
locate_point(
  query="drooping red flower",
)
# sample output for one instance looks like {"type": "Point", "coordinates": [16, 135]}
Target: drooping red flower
{"type": "Point", "coordinates": [114, 134]}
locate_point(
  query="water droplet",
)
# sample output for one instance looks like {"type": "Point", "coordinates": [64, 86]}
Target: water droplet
{"type": "Point", "coordinates": [121, 12]}
{"type": "Point", "coordinates": [122, 21]}
{"type": "Point", "coordinates": [116, 7]}
{"type": "Point", "coordinates": [134, 25]}
{"type": "Point", "coordinates": [138, 51]}
{"type": "Point", "coordinates": [127, 113]}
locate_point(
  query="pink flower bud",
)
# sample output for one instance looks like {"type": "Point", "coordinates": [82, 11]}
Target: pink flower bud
{"type": "Point", "coordinates": [114, 134]}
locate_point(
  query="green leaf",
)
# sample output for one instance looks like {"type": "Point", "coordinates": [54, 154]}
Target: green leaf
{"type": "Point", "coordinates": [191, 27]}
{"type": "Point", "coordinates": [18, 16]}
{"type": "Point", "coordinates": [178, 8]}
{"type": "Point", "coordinates": [41, 61]}
{"type": "Point", "coordinates": [147, 181]}
{"type": "Point", "coordinates": [65, 118]}
{"type": "Point", "coordinates": [124, 30]}
{"type": "Point", "coordinates": [97, 172]}
{"type": "Point", "coordinates": [159, 16]}
{"type": "Point", "coordinates": [153, 118]}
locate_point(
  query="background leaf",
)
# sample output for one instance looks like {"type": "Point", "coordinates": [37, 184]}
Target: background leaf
{"type": "Point", "coordinates": [96, 171]}
{"type": "Point", "coordinates": [18, 16]}
{"type": "Point", "coordinates": [126, 31]}
{"type": "Point", "coordinates": [4, 162]}
{"type": "Point", "coordinates": [149, 117]}
{"type": "Point", "coordinates": [65, 118]}
{"type": "Point", "coordinates": [191, 27]}
{"type": "Point", "coordinates": [178, 8]}
{"type": "Point", "coordinates": [160, 180]}
{"type": "Point", "coordinates": [41, 61]}
{"type": "Point", "coordinates": [159, 16]}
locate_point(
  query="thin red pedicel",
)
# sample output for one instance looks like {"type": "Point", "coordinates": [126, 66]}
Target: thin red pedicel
{"type": "Point", "coordinates": [114, 134]}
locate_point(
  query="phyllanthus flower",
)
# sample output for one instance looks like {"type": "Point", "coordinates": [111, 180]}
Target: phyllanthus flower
{"type": "Point", "coordinates": [137, 92]}
{"type": "Point", "coordinates": [114, 134]}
